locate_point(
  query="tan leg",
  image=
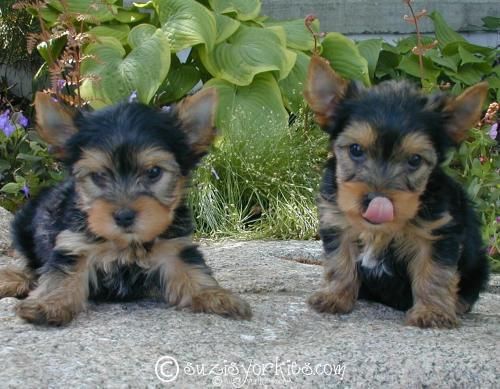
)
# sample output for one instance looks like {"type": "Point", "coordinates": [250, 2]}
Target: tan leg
{"type": "Point", "coordinates": [341, 285]}
{"type": "Point", "coordinates": [59, 297]}
{"type": "Point", "coordinates": [191, 285]}
{"type": "Point", "coordinates": [434, 289]}
{"type": "Point", "coordinates": [15, 282]}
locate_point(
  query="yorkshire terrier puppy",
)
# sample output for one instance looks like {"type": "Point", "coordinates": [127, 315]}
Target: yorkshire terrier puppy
{"type": "Point", "coordinates": [118, 227]}
{"type": "Point", "coordinates": [395, 227]}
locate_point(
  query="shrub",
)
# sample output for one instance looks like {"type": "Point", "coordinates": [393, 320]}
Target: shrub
{"type": "Point", "coordinates": [25, 164]}
{"type": "Point", "coordinates": [14, 26]}
{"type": "Point", "coordinates": [260, 184]}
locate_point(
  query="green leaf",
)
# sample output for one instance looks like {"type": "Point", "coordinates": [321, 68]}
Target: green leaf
{"type": "Point", "coordinates": [345, 57]}
{"type": "Point", "coordinates": [118, 75]}
{"type": "Point", "coordinates": [494, 83]}
{"type": "Point", "coordinates": [405, 45]}
{"type": "Point", "coordinates": [226, 27]}
{"type": "Point", "coordinates": [411, 65]}
{"type": "Point", "coordinates": [128, 16]}
{"type": "Point", "coordinates": [370, 50]}
{"type": "Point", "coordinates": [47, 13]}
{"type": "Point", "coordinates": [180, 80]}
{"type": "Point", "coordinates": [457, 88]}
{"type": "Point", "coordinates": [452, 48]}
{"type": "Point", "coordinates": [11, 188]}
{"type": "Point", "coordinates": [140, 33]}
{"type": "Point", "coordinates": [450, 62]}
{"type": "Point", "coordinates": [118, 31]}
{"type": "Point", "coordinates": [496, 70]}
{"type": "Point", "coordinates": [243, 9]}
{"type": "Point", "coordinates": [28, 157]}
{"type": "Point", "coordinates": [491, 22]}
{"type": "Point", "coordinates": [390, 48]}
{"type": "Point", "coordinates": [4, 165]}
{"type": "Point", "coordinates": [467, 74]}
{"type": "Point", "coordinates": [51, 49]}
{"type": "Point", "coordinates": [186, 23]}
{"type": "Point", "coordinates": [245, 108]}
{"type": "Point", "coordinates": [94, 11]}
{"type": "Point", "coordinates": [292, 87]}
{"type": "Point", "coordinates": [387, 63]}
{"type": "Point", "coordinates": [246, 53]}
{"type": "Point", "coordinates": [297, 35]}
{"type": "Point", "coordinates": [467, 57]}
{"type": "Point", "coordinates": [444, 33]}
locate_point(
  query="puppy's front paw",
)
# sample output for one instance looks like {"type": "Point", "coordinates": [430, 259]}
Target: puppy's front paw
{"type": "Point", "coordinates": [330, 302]}
{"type": "Point", "coordinates": [425, 317]}
{"type": "Point", "coordinates": [43, 313]}
{"type": "Point", "coordinates": [221, 302]}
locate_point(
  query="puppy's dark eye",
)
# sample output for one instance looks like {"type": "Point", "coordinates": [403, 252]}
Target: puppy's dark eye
{"type": "Point", "coordinates": [154, 173]}
{"type": "Point", "coordinates": [99, 178]}
{"type": "Point", "coordinates": [356, 152]}
{"type": "Point", "coordinates": [415, 161]}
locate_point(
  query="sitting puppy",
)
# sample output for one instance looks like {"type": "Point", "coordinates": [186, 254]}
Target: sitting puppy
{"type": "Point", "coordinates": [395, 228]}
{"type": "Point", "coordinates": [118, 227]}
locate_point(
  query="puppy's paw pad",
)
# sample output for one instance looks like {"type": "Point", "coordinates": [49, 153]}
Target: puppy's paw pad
{"type": "Point", "coordinates": [37, 312]}
{"type": "Point", "coordinates": [221, 302]}
{"type": "Point", "coordinates": [425, 318]}
{"type": "Point", "coordinates": [328, 302]}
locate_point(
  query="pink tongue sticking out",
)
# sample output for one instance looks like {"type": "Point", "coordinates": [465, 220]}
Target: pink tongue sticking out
{"type": "Point", "coordinates": [380, 210]}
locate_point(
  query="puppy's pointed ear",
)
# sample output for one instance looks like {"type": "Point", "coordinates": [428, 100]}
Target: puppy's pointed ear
{"type": "Point", "coordinates": [197, 115]}
{"type": "Point", "coordinates": [465, 111]}
{"type": "Point", "coordinates": [55, 122]}
{"type": "Point", "coordinates": [323, 91]}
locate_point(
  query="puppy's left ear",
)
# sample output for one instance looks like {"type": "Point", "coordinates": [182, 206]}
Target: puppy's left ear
{"type": "Point", "coordinates": [465, 111]}
{"type": "Point", "coordinates": [54, 122]}
{"type": "Point", "coordinates": [323, 90]}
{"type": "Point", "coordinates": [197, 116]}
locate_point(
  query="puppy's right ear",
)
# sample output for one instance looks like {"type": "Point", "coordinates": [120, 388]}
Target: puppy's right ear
{"type": "Point", "coordinates": [324, 89]}
{"type": "Point", "coordinates": [55, 122]}
{"type": "Point", "coordinates": [197, 114]}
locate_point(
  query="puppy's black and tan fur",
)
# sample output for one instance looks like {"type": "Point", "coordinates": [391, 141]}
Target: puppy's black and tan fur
{"type": "Point", "coordinates": [395, 228]}
{"type": "Point", "coordinates": [118, 227]}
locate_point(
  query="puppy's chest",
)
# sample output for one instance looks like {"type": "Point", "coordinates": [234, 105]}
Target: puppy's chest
{"type": "Point", "coordinates": [106, 254]}
{"type": "Point", "coordinates": [379, 254]}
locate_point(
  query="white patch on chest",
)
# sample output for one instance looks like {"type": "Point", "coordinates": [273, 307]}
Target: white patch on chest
{"type": "Point", "coordinates": [372, 248]}
{"type": "Point", "coordinates": [368, 257]}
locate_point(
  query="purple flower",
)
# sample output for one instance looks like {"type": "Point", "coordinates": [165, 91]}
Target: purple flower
{"type": "Point", "coordinates": [133, 97]}
{"type": "Point", "coordinates": [22, 120]}
{"type": "Point", "coordinates": [498, 219]}
{"type": "Point", "coordinates": [26, 191]}
{"type": "Point", "coordinates": [4, 118]}
{"type": "Point", "coordinates": [493, 133]}
{"type": "Point", "coordinates": [8, 129]}
{"type": "Point", "coordinates": [6, 125]}
{"type": "Point", "coordinates": [60, 84]}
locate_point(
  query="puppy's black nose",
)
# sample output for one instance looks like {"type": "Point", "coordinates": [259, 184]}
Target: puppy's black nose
{"type": "Point", "coordinates": [369, 197]}
{"type": "Point", "coordinates": [124, 217]}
